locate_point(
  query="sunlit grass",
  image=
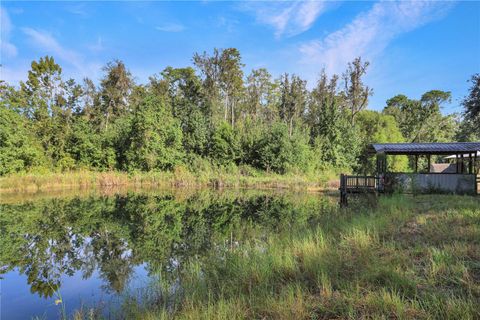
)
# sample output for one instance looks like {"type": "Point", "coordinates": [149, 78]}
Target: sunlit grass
{"type": "Point", "coordinates": [408, 258]}
{"type": "Point", "coordinates": [181, 176]}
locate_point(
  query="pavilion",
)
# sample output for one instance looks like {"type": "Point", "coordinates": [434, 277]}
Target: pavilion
{"type": "Point", "coordinates": [461, 177]}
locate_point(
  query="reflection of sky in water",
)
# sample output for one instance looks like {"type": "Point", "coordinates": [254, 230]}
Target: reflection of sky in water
{"type": "Point", "coordinates": [112, 241]}
{"type": "Point", "coordinates": [18, 303]}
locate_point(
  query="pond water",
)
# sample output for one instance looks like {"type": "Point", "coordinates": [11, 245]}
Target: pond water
{"type": "Point", "coordinates": [95, 250]}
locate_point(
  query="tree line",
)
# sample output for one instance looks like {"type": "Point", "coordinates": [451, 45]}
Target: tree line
{"type": "Point", "coordinates": [212, 113]}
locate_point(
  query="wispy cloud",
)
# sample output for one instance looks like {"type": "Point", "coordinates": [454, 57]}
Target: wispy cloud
{"type": "Point", "coordinates": [171, 27]}
{"type": "Point", "coordinates": [78, 9]}
{"type": "Point", "coordinates": [47, 43]}
{"type": "Point", "coordinates": [287, 18]}
{"type": "Point", "coordinates": [369, 34]}
{"type": "Point", "coordinates": [97, 46]}
{"type": "Point", "coordinates": [6, 47]}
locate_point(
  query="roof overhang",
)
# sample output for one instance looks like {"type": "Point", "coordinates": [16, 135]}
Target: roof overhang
{"type": "Point", "coordinates": [437, 148]}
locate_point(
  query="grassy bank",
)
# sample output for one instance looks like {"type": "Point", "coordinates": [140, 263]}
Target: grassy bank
{"type": "Point", "coordinates": [180, 177]}
{"type": "Point", "coordinates": [405, 258]}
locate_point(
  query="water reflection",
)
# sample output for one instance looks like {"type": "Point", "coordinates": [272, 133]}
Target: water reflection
{"type": "Point", "coordinates": [48, 239]}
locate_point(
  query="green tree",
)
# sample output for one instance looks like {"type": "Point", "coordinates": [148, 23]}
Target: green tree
{"type": "Point", "coordinates": [375, 127]}
{"type": "Point", "coordinates": [293, 100]}
{"type": "Point", "coordinates": [223, 80]}
{"type": "Point", "coordinates": [19, 148]}
{"type": "Point", "coordinates": [185, 93]}
{"type": "Point", "coordinates": [355, 92]}
{"type": "Point", "coordinates": [260, 96]}
{"type": "Point", "coordinates": [471, 104]}
{"type": "Point", "coordinates": [50, 104]}
{"type": "Point", "coordinates": [225, 145]}
{"type": "Point", "coordinates": [422, 120]}
{"type": "Point", "coordinates": [115, 89]}
{"type": "Point", "coordinates": [155, 137]}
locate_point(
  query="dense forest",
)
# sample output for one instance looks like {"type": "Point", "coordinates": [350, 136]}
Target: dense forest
{"type": "Point", "coordinates": [213, 114]}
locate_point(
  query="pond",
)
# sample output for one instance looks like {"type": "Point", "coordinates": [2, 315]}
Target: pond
{"type": "Point", "coordinates": [61, 253]}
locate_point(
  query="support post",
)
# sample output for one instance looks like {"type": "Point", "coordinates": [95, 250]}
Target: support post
{"type": "Point", "coordinates": [475, 164]}
{"type": "Point", "coordinates": [416, 163]}
{"type": "Point", "coordinates": [343, 190]}
{"type": "Point", "coordinates": [470, 163]}
{"type": "Point", "coordinates": [428, 158]}
{"type": "Point", "coordinates": [457, 163]}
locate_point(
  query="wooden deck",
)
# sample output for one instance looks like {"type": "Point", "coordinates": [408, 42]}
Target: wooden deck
{"type": "Point", "coordinates": [357, 184]}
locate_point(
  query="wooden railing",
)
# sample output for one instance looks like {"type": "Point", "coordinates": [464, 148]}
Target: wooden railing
{"type": "Point", "coordinates": [357, 184]}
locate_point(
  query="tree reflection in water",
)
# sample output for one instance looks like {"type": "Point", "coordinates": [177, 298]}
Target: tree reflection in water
{"type": "Point", "coordinates": [49, 238]}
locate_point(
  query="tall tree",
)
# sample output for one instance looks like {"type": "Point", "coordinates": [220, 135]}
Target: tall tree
{"type": "Point", "coordinates": [223, 79]}
{"type": "Point", "coordinates": [231, 79]}
{"type": "Point", "coordinates": [155, 137]}
{"type": "Point", "coordinates": [185, 93]}
{"type": "Point", "coordinates": [293, 99]}
{"type": "Point", "coordinates": [115, 89]}
{"type": "Point", "coordinates": [321, 99]}
{"type": "Point", "coordinates": [471, 103]}
{"type": "Point", "coordinates": [355, 91]}
{"type": "Point", "coordinates": [259, 94]}
{"type": "Point", "coordinates": [422, 120]}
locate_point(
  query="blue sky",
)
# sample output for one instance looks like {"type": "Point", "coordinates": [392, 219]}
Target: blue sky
{"type": "Point", "coordinates": [413, 47]}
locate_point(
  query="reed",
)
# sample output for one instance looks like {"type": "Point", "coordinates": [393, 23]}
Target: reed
{"type": "Point", "coordinates": [179, 177]}
{"type": "Point", "coordinates": [406, 258]}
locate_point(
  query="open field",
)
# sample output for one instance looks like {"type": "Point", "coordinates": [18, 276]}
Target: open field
{"type": "Point", "coordinates": [405, 258]}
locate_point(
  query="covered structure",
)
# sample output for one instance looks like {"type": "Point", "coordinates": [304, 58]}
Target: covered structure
{"type": "Point", "coordinates": [457, 177]}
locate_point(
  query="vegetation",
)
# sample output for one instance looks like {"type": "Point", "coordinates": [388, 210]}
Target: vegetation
{"type": "Point", "coordinates": [251, 254]}
{"type": "Point", "coordinates": [211, 114]}
{"type": "Point", "coordinates": [407, 258]}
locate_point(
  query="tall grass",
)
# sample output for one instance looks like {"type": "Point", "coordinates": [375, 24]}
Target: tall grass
{"type": "Point", "coordinates": [181, 176]}
{"type": "Point", "coordinates": [407, 258]}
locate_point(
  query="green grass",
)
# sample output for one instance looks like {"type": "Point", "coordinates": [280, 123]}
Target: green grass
{"type": "Point", "coordinates": [404, 258]}
{"type": "Point", "coordinates": [211, 176]}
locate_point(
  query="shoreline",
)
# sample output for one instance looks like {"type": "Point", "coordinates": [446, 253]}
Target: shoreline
{"type": "Point", "coordinates": [45, 182]}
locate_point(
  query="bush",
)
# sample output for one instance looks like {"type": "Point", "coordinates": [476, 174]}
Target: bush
{"type": "Point", "coordinates": [225, 145]}
{"type": "Point", "coordinates": [19, 149]}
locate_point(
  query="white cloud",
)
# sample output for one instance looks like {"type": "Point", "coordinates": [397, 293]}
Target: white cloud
{"type": "Point", "coordinates": [47, 43]}
{"type": "Point", "coordinates": [6, 47]}
{"type": "Point", "coordinates": [369, 34]}
{"type": "Point", "coordinates": [287, 18]}
{"type": "Point", "coordinates": [171, 27]}
{"type": "Point", "coordinates": [97, 46]}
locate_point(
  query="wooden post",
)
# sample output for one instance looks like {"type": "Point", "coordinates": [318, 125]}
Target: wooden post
{"type": "Point", "coordinates": [470, 163]}
{"type": "Point", "coordinates": [456, 162]}
{"type": "Point", "coordinates": [343, 190]}
{"type": "Point", "coordinates": [475, 164]}
{"type": "Point", "coordinates": [416, 163]}
{"type": "Point", "coordinates": [462, 167]}
{"type": "Point", "coordinates": [428, 158]}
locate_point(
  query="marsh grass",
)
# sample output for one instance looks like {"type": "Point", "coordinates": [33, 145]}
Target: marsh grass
{"type": "Point", "coordinates": [181, 176]}
{"type": "Point", "coordinates": [406, 258]}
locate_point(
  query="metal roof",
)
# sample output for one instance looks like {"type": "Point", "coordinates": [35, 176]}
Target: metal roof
{"type": "Point", "coordinates": [426, 148]}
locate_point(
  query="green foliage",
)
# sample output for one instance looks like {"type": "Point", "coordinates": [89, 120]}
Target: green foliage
{"type": "Point", "coordinates": [155, 137]}
{"type": "Point", "coordinates": [19, 149]}
{"type": "Point", "coordinates": [471, 103]}
{"type": "Point", "coordinates": [375, 127]}
{"type": "Point", "coordinates": [421, 120]}
{"type": "Point", "coordinates": [274, 149]}
{"type": "Point", "coordinates": [225, 145]}
{"type": "Point", "coordinates": [215, 113]}
{"type": "Point", "coordinates": [84, 145]}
